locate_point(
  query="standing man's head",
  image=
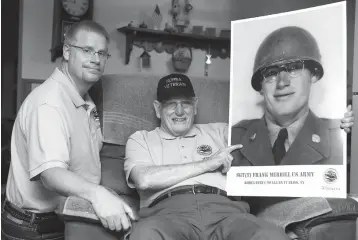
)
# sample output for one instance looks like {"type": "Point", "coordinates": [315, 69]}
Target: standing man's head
{"type": "Point", "coordinates": [85, 52]}
{"type": "Point", "coordinates": [176, 104]}
{"type": "Point", "coordinates": [287, 62]}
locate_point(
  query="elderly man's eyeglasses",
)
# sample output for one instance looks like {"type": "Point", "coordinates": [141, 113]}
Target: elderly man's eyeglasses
{"type": "Point", "coordinates": [173, 104]}
{"type": "Point", "coordinates": [90, 52]}
{"type": "Point", "coordinates": [294, 69]}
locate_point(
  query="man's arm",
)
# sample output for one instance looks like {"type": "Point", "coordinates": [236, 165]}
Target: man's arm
{"type": "Point", "coordinates": [161, 177]}
{"type": "Point", "coordinates": [149, 176]}
{"type": "Point", "coordinates": [111, 209]}
{"type": "Point", "coordinates": [348, 121]}
{"type": "Point", "coordinates": [49, 148]}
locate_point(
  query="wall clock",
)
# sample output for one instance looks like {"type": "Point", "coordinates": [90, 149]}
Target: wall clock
{"type": "Point", "coordinates": [66, 13]}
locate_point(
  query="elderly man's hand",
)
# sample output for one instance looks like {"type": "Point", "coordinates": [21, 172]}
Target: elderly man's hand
{"type": "Point", "coordinates": [348, 120]}
{"type": "Point", "coordinates": [114, 213]}
{"type": "Point", "coordinates": [222, 159]}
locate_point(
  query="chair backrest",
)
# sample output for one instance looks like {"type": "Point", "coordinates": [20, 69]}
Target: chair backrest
{"type": "Point", "coordinates": [125, 104]}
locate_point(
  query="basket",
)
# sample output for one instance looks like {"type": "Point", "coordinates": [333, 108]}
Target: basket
{"type": "Point", "coordinates": [181, 59]}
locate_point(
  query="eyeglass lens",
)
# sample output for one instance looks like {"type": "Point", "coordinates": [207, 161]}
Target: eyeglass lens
{"type": "Point", "coordinates": [175, 104]}
{"type": "Point", "coordinates": [294, 69]}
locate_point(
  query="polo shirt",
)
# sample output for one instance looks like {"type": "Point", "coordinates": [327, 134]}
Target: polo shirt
{"type": "Point", "coordinates": [157, 147]}
{"type": "Point", "coordinates": [55, 127]}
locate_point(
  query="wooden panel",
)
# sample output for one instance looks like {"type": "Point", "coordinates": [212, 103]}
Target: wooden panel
{"type": "Point", "coordinates": [354, 153]}
{"type": "Point", "coordinates": [355, 60]}
{"type": "Point", "coordinates": [28, 86]}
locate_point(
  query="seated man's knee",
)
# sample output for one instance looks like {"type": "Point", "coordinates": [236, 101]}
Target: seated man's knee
{"type": "Point", "coordinates": [88, 231]}
{"type": "Point", "coordinates": [270, 233]}
{"type": "Point", "coordinates": [150, 228]}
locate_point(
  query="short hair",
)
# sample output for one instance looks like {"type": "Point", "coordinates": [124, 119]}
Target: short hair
{"type": "Point", "coordinates": [85, 25]}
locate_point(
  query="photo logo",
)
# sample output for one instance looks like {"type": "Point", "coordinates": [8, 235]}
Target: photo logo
{"type": "Point", "coordinates": [204, 150]}
{"type": "Point", "coordinates": [330, 175]}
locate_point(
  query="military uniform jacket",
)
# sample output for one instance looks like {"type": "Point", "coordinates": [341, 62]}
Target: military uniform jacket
{"type": "Point", "coordinates": [318, 142]}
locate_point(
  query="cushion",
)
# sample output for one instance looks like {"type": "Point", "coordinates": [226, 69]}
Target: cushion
{"type": "Point", "coordinates": [113, 176]}
{"type": "Point", "coordinates": [283, 211]}
{"type": "Point", "coordinates": [78, 209]}
{"type": "Point", "coordinates": [125, 104]}
{"type": "Point", "coordinates": [344, 215]}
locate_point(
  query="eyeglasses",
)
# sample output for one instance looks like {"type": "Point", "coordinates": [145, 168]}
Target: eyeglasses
{"type": "Point", "coordinates": [294, 69]}
{"type": "Point", "coordinates": [173, 104]}
{"type": "Point", "coordinates": [90, 52]}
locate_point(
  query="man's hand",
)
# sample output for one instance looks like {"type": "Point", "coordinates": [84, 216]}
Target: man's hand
{"type": "Point", "coordinates": [348, 120]}
{"type": "Point", "coordinates": [223, 158]}
{"type": "Point", "coordinates": [112, 210]}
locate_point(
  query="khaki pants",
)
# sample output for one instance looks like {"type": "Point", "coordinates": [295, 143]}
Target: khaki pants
{"type": "Point", "coordinates": [201, 217]}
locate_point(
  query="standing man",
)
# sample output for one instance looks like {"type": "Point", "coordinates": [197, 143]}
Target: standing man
{"type": "Point", "coordinates": [56, 142]}
{"type": "Point", "coordinates": [179, 172]}
{"type": "Point", "coordinates": [287, 63]}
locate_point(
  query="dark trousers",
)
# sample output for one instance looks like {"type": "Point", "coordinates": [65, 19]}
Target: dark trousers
{"type": "Point", "coordinates": [202, 217]}
{"type": "Point", "coordinates": [16, 226]}
{"type": "Point", "coordinates": [90, 231]}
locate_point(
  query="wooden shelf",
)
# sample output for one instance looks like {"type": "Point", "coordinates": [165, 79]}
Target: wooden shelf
{"type": "Point", "coordinates": [160, 41]}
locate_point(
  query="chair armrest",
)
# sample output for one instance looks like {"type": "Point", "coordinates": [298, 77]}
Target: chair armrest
{"type": "Point", "coordinates": [78, 209]}
{"type": "Point", "coordinates": [342, 209]}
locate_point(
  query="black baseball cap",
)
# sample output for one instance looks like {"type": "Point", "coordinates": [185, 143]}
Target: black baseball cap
{"type": "Point", "coordinates": [174, 85]}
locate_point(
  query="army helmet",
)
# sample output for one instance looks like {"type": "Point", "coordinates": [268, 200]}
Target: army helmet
{"type": "Point", "coordinates": [285, 45]}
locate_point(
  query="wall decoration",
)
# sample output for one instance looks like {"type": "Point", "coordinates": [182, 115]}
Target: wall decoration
{"type": "Point", "coordinates": [148, 39]}
{"type": "Point", "coordinates": [181, 58]}
{"type": "Point", "coordinates": [207, 62]}
{"type": "Point", "coordinates": [225, 33]}
{"type": "Point", "coordinates": [181, 14]}
{"type": "Point", "coordinates": [145, 60]}
{"type": "Point", "coordinates": [210, 32]}
{"type": "Point", "coordinates": [66, 13]}
{"type": "Point", "coordinates": [143, 25]}
{"type": "Point", "coordinates": [197, 30]}
{"type": "Point", "coordinates": [157, 18]}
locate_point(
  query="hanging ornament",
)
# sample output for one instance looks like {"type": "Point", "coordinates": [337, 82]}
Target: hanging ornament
{"type": "Point", "coordinates": [145, 60]}
{"type": "Point", "coordinates": [207, 62]}
{"type": "Point", "coordinates": [208, 59]}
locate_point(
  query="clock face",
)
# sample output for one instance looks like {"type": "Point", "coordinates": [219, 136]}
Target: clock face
{"type": "Point", "coordinates": [75, 7]}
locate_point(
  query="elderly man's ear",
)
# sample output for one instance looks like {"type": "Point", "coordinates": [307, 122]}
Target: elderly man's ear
{"type": "Point", "coordinates": [348, 121]}
{"type": "Point", "coordinates": [157, 108]}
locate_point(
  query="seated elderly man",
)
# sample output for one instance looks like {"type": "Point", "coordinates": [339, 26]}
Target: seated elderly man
{"type": "Point", "coordinates": [179, 171]}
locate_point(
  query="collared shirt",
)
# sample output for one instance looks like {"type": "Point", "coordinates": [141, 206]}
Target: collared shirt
{"type": "Point", "coordinates": [292, 130]}
{"type": "Point", "coordinates": [55, 127]}
{"type": "Point", "coordinates": [158, 147]}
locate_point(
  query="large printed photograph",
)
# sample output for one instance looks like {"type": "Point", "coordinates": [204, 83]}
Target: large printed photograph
{"type": "Point", "coordinates": [287, 96]}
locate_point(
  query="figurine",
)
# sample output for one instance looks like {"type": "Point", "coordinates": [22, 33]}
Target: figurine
{"type": "Point", "coordinates": [143, 25]}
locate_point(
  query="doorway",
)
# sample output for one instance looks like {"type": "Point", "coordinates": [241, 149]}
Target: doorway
{"type": "Point", "coordinates": [10, 16]}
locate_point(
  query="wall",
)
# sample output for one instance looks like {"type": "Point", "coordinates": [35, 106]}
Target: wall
{"type": "Point", "coordinates": [37, 33]}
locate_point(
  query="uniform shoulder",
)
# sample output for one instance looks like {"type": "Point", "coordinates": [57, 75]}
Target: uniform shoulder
{"type": "Point", "coordinates": [332, 123]}
{"type": "Point", "coordinates": [245, 123]}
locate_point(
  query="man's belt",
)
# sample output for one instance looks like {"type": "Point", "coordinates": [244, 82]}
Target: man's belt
{"type": "Point", "coordinates": [47, 222]}
{"type": "Point", "coordinates": [192, 189]}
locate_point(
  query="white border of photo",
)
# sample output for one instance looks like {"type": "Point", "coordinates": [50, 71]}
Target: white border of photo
{"type": "Point", "coordinates": [327, 24]}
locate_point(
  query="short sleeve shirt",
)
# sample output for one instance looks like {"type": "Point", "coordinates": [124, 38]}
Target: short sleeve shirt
{"type": "Point", "coordinates": [157, 147]}
{"type": "Point", "coordinates": [55, 127]}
